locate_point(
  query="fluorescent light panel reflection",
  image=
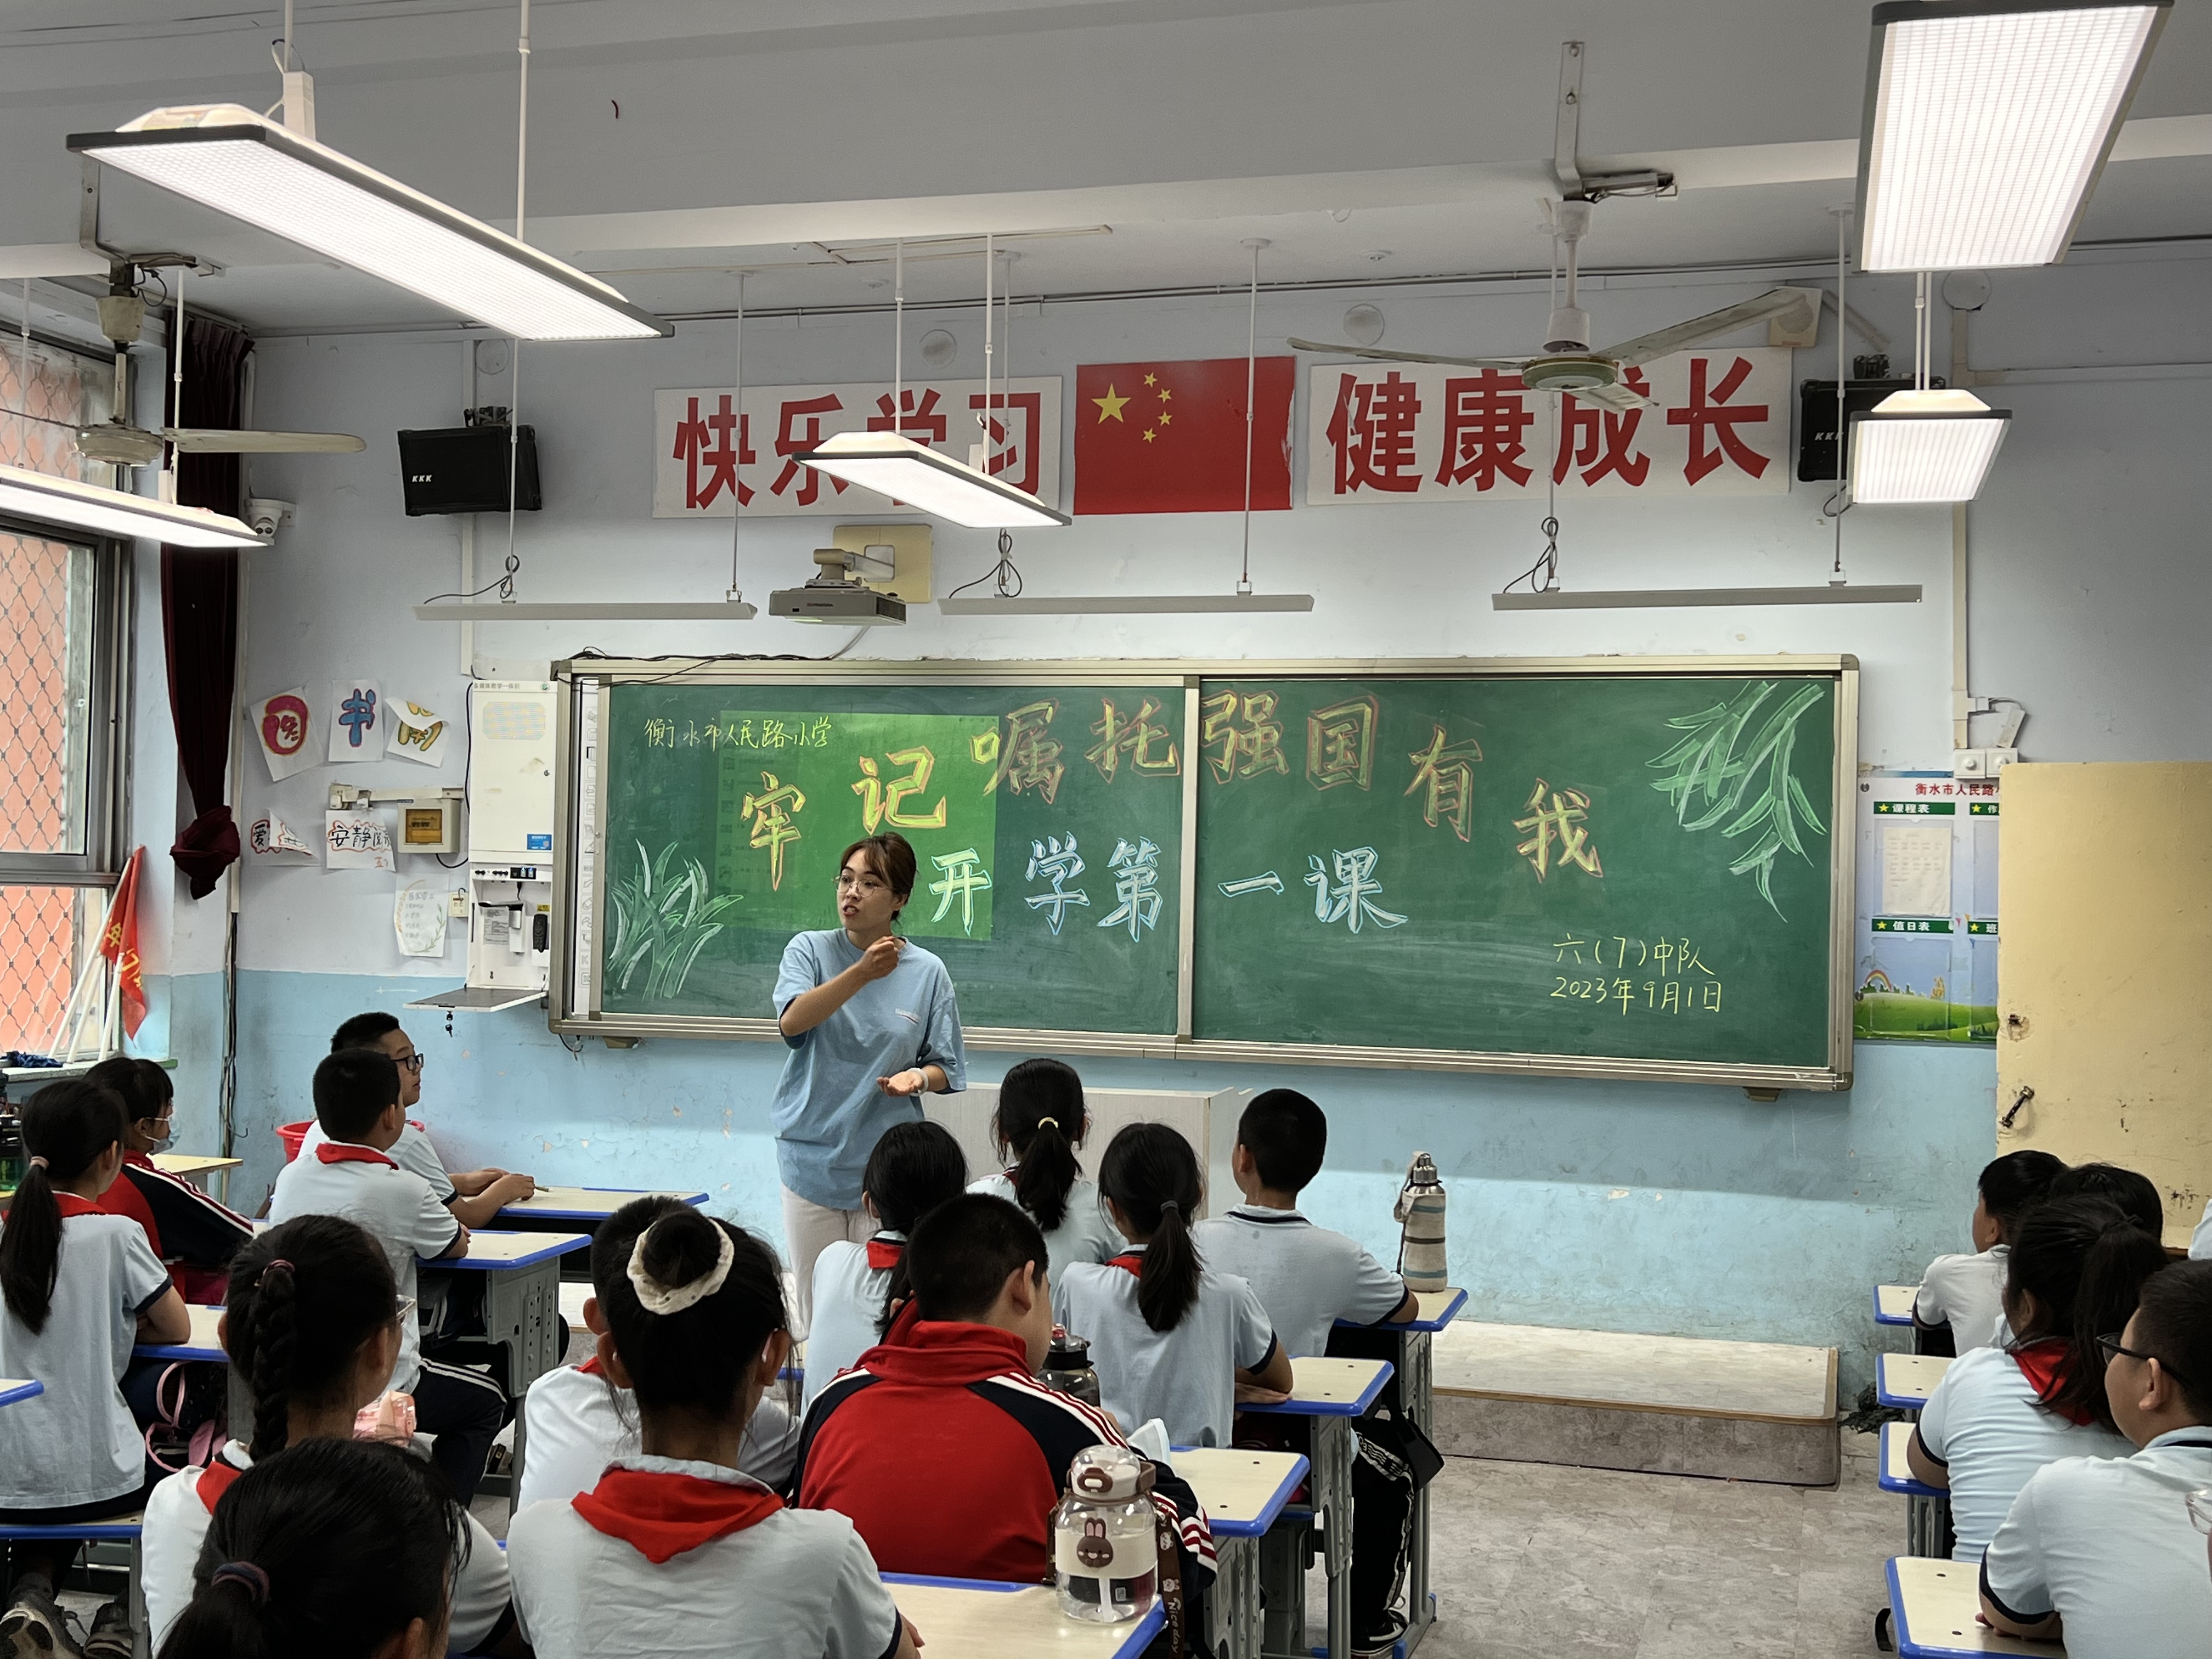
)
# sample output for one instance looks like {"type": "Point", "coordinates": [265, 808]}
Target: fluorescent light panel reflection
{"type": "Point", "coordinates": [1134, 604]}
{"type": "Point", "coordinates": [99, 511]}
{"type": "Point", "coordinates": [916, 475]}
{"type": "Point", "coordinates": [1986, 127]}
{"type": "Point", "coordinates": [484, 611]}
{"type": "Point", "coordinates": [230, 159]}
{"type": "Point", "coordinates": [1660, 599]}
{"type": "Point", "coordinates": [1925, 448]}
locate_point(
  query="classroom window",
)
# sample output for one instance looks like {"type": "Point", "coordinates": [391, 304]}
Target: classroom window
{"type": "Point", "coordinates": [49, 931]}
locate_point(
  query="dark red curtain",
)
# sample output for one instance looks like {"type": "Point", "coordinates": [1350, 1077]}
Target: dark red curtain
{"type": "Point", "coordinates": [199, 605]}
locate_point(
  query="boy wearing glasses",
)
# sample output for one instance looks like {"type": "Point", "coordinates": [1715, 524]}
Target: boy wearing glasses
{"type": "Point", "coordinates": [2102, 1553]}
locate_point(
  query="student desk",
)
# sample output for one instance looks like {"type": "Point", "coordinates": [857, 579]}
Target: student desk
{"type": "Point", "coordinates": [200, 1345]}
{"type": "Point", "coordinates": [1416, 1391]}
{"type": "Point", "coordinates": [1925, 1505]}
{"type": "Point", "coordinates": [1242, 1493]}
{"type": "Point", "coordinates": [1937, 1606]}
{"type": "Point", "coordinates": [521, 1310]}
{"type": "Point", "coordinates": [190, 1167]}
{"type": "Point", "coordinates": [1904, 1381]}
{"type": "Point", "coordinates": [14, 1388]}
{"type": "Point", "coordinates": [974, 1619]}
{"type": "Point", "coordinates": [1892, 1304]}
{"type": "Point", "coordinates": [579, 1209]}
{"type": "Point", "coordinates": [1331, 1392]}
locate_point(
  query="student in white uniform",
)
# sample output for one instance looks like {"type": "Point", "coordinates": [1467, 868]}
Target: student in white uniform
{"type": "Point", "coordinates": [1169, 1337]}
{"type": "Point", "coordinates": [2000, 1414]}
{"type": "Point", "coordinates": [674, 1552]}
{"type": "Point", "coordinates": [915, 1167]}
{"type": "Point", "coordinates": [312, 1323]}
{"type": "Point", "coordinates": [77, 1288]}
{"type": "Point", "coordinates": [1963, 1295]}
{"type": "Point", "coordinates": [1040, 1122]}
{"type": "Point", "coordinates": [578, 1421]}
{"type": "Point", "coordinates": [352, 1175]}
{"type": "Point", "coordinates": [2103, 1555]}
{"type": "Point", "coordinates": [338, 1548]}
{"type": "Point", "coordinates": [2200, 1242]}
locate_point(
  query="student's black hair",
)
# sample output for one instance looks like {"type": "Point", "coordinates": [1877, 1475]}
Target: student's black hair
{"type": "Point", "coordinates": [915, 1167]}
{"type": "Point", "coordinates": [697, 1358]}
{"type": "Point", "coordinates": [1151, 1173]}
{"type": "Point", "coordinates": [354, 1087]}
{"type": "Point", "coordinates": [962, 1253]}
{"type": "Point", "coordinates": [304, 1296]}
{"type": "Point", "coordinates": [2009, 1184]}
{"type": "Point", "coordinates": [2174, 1322]}
{"type": "Point", "coordinates": [331, 1548]}
{"type": "Point", "coordinates": [142, 1086]}
{"type": "Point", "coordinates": [1041, 1120]}
{"type": "Point", "coordinates": [1287, 1136]}
{"type": "Point", "coordinates": [888, 855]}
{"type": "Point", "coordinates": [2135, 1195]}
{"type": "Point", "coordinates": [364, 1030]}
{"type": "Point", "coordinates": [2085, 1261]}
{"type": "Point", "coordinates": [66, 1128]}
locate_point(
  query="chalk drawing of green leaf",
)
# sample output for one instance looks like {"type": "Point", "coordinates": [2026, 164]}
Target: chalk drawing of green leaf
{"type": "Point", "coordinates": [663, 919]}
{"type": "Point", "coordinates": [1717, 773]}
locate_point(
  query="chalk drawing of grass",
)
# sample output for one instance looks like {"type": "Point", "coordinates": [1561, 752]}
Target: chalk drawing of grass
{"type": "Point", "coordinates": [662, 922]}
{"type": "Point", "coordinates": [1717, 773]}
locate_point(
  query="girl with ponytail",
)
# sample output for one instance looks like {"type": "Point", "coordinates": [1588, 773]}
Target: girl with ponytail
{"type": "Point", "coordinates": [336, 1548]}
{"type": "Point", "coordinates": [312, 1327]}
{"type": "Point", "coordinates": [675, 1544]}
{"type": "Point", "coordinates": [2076, 1267]}
{"type": "Point", "coordinates": [1169, 1336]}
{"type": "Point", "coordinates": [77, 1288]}
{"type": "Point", "coordinates": [1039, 1123]}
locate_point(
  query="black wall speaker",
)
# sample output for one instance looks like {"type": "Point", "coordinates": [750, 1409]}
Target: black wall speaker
{"type": "Point", "coordinates": [463, 469]}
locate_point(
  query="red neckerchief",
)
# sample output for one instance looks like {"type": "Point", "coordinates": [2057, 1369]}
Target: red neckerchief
{"type": "Point", "coordinates": [1131, 1262]}
{"type": "Point", "coordinates": [2047, 1364]}
{"type": "Point", "coordinates": [662, 1515]}
{"type": "Point", "coordinates": [883, 1254]}
{"type": "Point", "coordinates": [215, 1479]}
{"type": "Point", "coordinates": [591, 1367]}
{"type": "Point", "coordinates": [69, 1204]}
{"type": "Point", "coordinates": [338, 1152]}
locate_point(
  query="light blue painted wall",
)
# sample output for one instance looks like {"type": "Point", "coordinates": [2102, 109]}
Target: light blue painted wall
{"type": "Point", "coordinates": [1603, 1206]}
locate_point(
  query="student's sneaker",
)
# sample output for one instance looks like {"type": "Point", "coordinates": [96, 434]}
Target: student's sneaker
{"type": "Point", "coordinates": [1383, 1644]}
{"type": "Point", "coordinates": [35, 1627]}
{"type": "Point", "coordinates": [111, 1636]}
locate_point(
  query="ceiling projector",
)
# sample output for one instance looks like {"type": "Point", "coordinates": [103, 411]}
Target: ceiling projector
{"type": "Point", "coordinates": [837, 594]}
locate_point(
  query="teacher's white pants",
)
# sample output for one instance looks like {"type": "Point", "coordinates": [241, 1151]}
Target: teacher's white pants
{"type": "Point", "coordinates": [808, 1229]}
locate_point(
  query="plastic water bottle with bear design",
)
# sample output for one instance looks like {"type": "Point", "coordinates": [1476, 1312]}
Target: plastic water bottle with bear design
{"type": "Point", "coordinates": [1105, 1551]}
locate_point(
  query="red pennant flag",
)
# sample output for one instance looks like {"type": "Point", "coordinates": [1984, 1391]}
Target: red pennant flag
{"type": "Point", "coordinates": [1170, 437]}
{"type": "Point", "coordinates": [119, 944]}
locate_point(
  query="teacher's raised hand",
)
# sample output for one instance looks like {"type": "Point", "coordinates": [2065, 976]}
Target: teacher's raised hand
{"type": "Point", "coordinates": [878, 959]}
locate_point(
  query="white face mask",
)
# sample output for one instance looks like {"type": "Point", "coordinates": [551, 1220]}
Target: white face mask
{"type": "Point", "coordinates": [164, 1141]}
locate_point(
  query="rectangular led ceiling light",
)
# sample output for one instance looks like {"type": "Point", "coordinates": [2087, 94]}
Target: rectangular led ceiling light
{"type": "Point", "coordinates": [1133, 604]}
{"type": "Point", "coordinates": [1921, 447]}
{"type": "Point", "coordinates": [1986, 125]}
{"type": "Point", "coordinates": [102, 511]}
{"type": "Point", "coordinates": [916, 475]}
{"type": "Point", "coordinates": [1676, 599]}
{"type": "Point", "coordinates": [230, 159]}
{"type": "Point", "coordinates": [485, 610]}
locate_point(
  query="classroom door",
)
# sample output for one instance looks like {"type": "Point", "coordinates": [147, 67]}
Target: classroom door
{"type": "Point", "coordinates": [2105, 971]}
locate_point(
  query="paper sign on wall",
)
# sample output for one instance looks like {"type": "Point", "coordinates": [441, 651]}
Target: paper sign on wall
{"type": "Point", "coordinates": [270, 834]}
{"type": "Point", "coordinates": [357, 840]}
{"type": "Point", "coordinates": [418, 917]}
{"type": "Point", "coordinates": [283, 726]}
{"type": "Point", "coordinates": [1916, 869]}
{"type": "Point", "coordinates": [418, 734]}
{"type": "Point", "coordinates": [358, 720]}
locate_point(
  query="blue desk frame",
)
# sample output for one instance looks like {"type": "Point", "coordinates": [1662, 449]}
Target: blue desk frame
{"type": "Point", "coordinates": [1332, 1454]}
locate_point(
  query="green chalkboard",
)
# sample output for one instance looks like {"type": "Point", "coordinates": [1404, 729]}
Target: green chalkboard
{"type": "Point", "coordinates": [1590, 867]}
{"type": "Point", "coordinates": [1046, 821]}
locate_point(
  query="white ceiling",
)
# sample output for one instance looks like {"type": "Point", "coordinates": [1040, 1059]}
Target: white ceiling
{"type": "Point", "coordinates": [1368, 140]}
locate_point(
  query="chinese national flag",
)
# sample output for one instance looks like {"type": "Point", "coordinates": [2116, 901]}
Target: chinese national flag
{"type": "Point", "coordinates": [1170, 437]}
{"type": "Point", "coordinates": [119, 944]}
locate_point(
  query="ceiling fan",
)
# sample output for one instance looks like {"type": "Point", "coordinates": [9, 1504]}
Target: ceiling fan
{"type": "Point", "coordinates": [1567, 362]}
{"type": "Point", "coordinates": [116, 442]}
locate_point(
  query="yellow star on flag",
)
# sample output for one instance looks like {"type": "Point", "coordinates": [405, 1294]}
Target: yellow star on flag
{"type": "Point", "coordinates": [1151, 379]}
{"type": "Point", "coordinates": [1166, 419]}
{"type": "Point", "coordinates": [1149, 435]}
{"type": "Point", "coordinates": [1164, 392]}
{"type": "Point", "coordinates": [1109, 406]}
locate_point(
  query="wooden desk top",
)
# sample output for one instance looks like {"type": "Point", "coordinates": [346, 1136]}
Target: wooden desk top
{"type": "Point", "coordinates": [191, 1164]}
{"type": "Point", "coordinates": [1892, 1304]}
{"type": "Point", "coordinates": [490, 1252]}
{"type": "Point", "coordinates": [1331, 1387]}
{"type": "Point", "coordinates": [976, 1620]}
{"type": "Point", "coordinates": [585, 1203]}
{"type": "Point", "coordinates": [14, 1388]}
{"type": "Point", "coordinates": [1936, 1606]}
{"type": "Point", "coordinates": [201, 1345]}
{"type": "Point", "coordinates": [1896, 1474]}
{"type": "Point", "coordinates": [1905, 1381]}
{"type": "Point", "coordinates": [1242, 1492]}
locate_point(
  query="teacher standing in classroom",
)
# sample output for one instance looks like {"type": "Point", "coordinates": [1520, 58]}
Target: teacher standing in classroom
{"type": "Point", "coordinates": [872, 1025]}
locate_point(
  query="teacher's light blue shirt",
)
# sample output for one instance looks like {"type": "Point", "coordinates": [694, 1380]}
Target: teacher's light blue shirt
{"type": "Point", "coordinates": [829, 1112]}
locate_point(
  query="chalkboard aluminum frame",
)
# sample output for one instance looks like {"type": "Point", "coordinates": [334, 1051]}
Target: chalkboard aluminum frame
{"type": "Point", "coordinates": [585, 679]}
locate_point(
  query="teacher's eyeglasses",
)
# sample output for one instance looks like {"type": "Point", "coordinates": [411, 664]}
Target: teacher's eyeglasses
{"type": "Point", "coordinates": [847, 880]}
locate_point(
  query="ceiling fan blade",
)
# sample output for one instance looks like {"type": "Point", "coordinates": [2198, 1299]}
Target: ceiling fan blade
{"type": "Point", "coordinates": [1379, 355]}
{"type": "Point", "coordinates": [207, 441]}
{"type": "Point", "coordinates": [1661, 342]}
{"type": "Point", "coordinates": [1614, 397]}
